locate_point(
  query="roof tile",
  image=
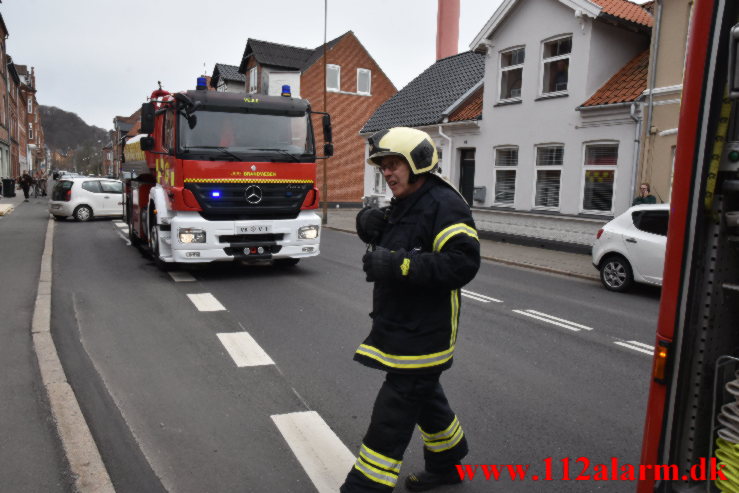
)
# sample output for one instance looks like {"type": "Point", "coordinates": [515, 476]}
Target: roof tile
{"type": "Point", "coordinates": [625, 86]}
{"type": "Point", "coordinates": [623, 9]}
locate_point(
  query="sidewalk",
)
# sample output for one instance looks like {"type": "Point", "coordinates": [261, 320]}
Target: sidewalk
{"type": "Point", "coordinates": [8, 204]}
{"type": "Point", "coordinates": [558, 262]}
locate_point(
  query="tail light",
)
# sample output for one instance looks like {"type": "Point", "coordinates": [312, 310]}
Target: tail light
{"type": "Point", "coordinates": [311, 200]}
{"type": "Point", "coordinates": [68, 195]}
{"type": "Point", "coordinates": [600, 232]}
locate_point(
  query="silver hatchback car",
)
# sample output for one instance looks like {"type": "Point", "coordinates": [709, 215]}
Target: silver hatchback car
{"type": "Point", "coordinates": [631, 247]}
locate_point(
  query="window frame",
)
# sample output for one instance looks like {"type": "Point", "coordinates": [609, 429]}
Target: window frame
{"type": "Point", "coordinates": [543, 61]}
{"type": "Point", "coordinates": [369, 81]}
{"type": "Point", "coordinates": [584, 168]}
{"type": "Point", "coordinates": [510, 68]}
{"type": "Point", "coordinates": [30, 131]}
{"type": "Point", "coordinates": [30, 106]}
{"type": "Point", "coordinates": [507, 167]}
{"type": "Point", "coordinates": [253, 80]}
{"type": "Point", "coordinates": [547, 167]}
{"type": "Point", "coordinates": [331, 66]}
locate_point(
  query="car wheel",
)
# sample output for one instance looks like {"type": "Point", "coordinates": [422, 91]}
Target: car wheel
{"type": "Point", "coordinates": [286, 262]}
{"type": "Point", "coordinates": [83, 213]}
{"type": "Point", "coordinates": [616, 273]}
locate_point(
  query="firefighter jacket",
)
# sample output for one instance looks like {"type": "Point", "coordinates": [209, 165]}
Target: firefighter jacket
{"type": "Point", "coordinates": [415, 316]}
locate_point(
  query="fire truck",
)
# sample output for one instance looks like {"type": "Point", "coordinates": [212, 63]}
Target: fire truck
{"type": "Point", "coordinates": [693, 406]}
{"type": "Point", "coordinates": [216, 176]}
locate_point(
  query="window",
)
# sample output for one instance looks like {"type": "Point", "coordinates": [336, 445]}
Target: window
{"type": "Point", "coordinates": [364, 81]}
{"type": "Point", "coordinates": [654, 222]}
{"type": "Point", "coordinates": [92, 186]}
{"type": "Point", "coordinates": [511, 73]}
{"type": "Point", "coordinates": [333, 78]}
{"type": "Point", "coordinates": [111, 187]}
{"type": "Point", "coordinates": [30, 105]}
{"type": "Point", "coordinates": [599, 170]}
{"type": "Point", "coordinates": [252, 80]}
{"type": "Point", "coordinates": [506, 160]}
{"type": "Point", "coordinates": [380, 183]}
{"type": "Point", "coordinates": [549, 160]}
{"type": "Point", "coordinates": [556, 65]}
{"type": "Point", "coordinates": [168, 140]}
{"type": "Point", "coordinates": [30, 131]}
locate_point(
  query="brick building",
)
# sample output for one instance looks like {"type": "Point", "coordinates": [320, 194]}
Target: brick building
{"type": "Point", "coordinates": [355, 87]}
{"type": "Point", "coordinates": [5, 168]}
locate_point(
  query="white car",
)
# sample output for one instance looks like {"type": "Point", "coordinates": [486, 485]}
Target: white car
{"type": "Point", "coordinates": [631, 247]}
{"type": "Point", "coordinates": [84, 198]}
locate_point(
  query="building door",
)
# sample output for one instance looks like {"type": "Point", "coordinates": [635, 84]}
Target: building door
{"type": "Point", "coordinates": [467, 174]}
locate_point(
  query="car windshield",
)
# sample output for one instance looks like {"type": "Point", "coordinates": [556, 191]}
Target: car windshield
{"type": "Point", "coordinates": [232, 135]}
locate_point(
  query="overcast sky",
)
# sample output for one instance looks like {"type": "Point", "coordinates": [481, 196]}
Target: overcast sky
{"type": "Point", "coordinates": [102, 58]}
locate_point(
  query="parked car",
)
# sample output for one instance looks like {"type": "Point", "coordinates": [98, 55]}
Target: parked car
{"type": "Point", "coordinates": [85, 198]}
{"type": "Point", "coordinates": [631, 247]}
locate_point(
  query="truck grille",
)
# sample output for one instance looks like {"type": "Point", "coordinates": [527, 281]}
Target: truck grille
{"type": "Point", "coordinates": [229, 201]}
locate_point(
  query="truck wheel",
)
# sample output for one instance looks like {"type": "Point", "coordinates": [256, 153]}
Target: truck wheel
{"type": "Point", "coordinates": [135, 240]}
{"type": "Point", "coordinates": [83, 213]}
{"type": "Point", "coordinates": [616, 273]}
{"type": "Point", "coordinates": [154, 244]}
{"type": "Point", "coordinates": [286, 262]}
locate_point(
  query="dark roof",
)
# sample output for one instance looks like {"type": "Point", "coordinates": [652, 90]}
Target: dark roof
{"type": "Point", "coordinates": [625, 86]}
{"type": "Point", "coordinates": [283, 56]}
{"type": "Point", "coordinates": [226, 72]}
{"type": "Point", "coordinates": [424, 99]}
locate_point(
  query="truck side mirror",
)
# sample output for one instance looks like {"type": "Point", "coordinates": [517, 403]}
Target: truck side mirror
{"type": "Point", "coordinates": [147, 143]}
{"type": "Point", "coordinates": [147, 118]}
{"type": "Point", "coordinates": [328, 150]}
{"type": "Point", "coordinates": [327, 134]}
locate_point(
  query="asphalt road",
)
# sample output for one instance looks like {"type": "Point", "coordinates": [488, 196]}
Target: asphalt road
{"type": "Point", "coordinates": [544, 366]}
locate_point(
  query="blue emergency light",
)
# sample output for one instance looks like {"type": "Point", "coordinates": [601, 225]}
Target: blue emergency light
{"type": "Point", "coordinates": [202, 84]}
{"type": "Point", "coordinates": [286, 90]}
{"type": "Point", "coordinates": [215, 194]}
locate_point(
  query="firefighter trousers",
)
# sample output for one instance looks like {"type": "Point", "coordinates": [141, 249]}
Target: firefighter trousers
{"type": "Point", "coordinates": [404, 401]}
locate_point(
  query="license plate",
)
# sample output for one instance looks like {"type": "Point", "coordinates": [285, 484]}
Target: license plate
{"type": "Point", "coordinates": [255, 229]}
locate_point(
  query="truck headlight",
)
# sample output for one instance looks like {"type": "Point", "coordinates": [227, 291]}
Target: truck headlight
{"type": "Point", "coordinates": [191, 235]}
{"type": "Point", "coordinates": [308, 232]}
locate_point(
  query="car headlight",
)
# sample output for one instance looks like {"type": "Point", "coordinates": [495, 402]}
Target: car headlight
{"type": "Point", "coordinates": [308, 232]}
{"type": "Point", "coordinates": [191, 235]}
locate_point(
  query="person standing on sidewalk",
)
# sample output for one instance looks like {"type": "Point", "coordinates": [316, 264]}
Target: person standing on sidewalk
{"type": "Point", "coordinates": [645, 196]}
{"type": "Point", "coordinates": [423, 249]}
{"type": "Point", "coordinates": [26, 181]}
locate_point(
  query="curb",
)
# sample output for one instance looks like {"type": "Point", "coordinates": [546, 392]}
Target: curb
{"type": "Point", "coordinates": [79, 446]}
{"type": "Point", "coordinates": [507, 262]}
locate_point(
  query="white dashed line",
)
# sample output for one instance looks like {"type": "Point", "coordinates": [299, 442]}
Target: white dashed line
{"type": "Point", "coordinates": [206, 302]}
{"type": "Point", "coordinates": [325, 459]}
{"type": "Point", "coordinates": [479, 297]}
{"type": "Point", "coordinates": [637, 346]}
{"type": "Point", "coordinates": [121, 224]}
{"type": "Point", "coordinates": [244, 350]}
{"type": "Point", "coordinates": [181, 276]}
{"type": "Point", "coordinates": [560, 322]}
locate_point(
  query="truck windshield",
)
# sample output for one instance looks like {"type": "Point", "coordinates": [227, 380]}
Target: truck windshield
{"type": "Point", "coordinates": [232, 135]}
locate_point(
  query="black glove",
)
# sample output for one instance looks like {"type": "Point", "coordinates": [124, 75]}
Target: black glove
{"type": "Point", "coordinates": [382, 264]}
{"type": "Point", "coordinates": [370, 224]}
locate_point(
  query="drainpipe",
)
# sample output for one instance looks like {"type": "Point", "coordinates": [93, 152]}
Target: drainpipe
{"type": "Point", "coordinates": [449, 139]}
{"type": "Point", "coordinates": [637, 147]}
{"type": "Point", "coordinates": [654, 56]}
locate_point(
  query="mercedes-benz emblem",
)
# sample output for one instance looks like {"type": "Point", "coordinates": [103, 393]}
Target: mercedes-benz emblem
{"type": "Point", "coordinates": [253, 194]}
{"type": "Point", "coordinates": [253, 167]}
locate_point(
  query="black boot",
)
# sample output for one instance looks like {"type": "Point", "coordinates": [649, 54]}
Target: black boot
{"type": "Point", "coordinates": [425, 480]}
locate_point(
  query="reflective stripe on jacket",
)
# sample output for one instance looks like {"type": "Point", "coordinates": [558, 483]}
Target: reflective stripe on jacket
{"type": "Point", "coordinates": [415, 318]}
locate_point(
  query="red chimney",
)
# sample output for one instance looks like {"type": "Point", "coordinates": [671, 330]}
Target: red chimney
{"type": "Point", "coordinates": [447, 28]}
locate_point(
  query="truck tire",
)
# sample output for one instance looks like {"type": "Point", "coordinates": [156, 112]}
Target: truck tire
{"type": "Point", "coordinates": [154, 244]}
{"type": "Point", "coordinates": [135, 240]}
{"type": "Point", "coordinates": [82, 213]}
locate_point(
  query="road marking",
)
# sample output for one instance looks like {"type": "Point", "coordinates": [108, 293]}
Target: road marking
{"type": "Point", "coordinates": [560, 322]}
{"type": "Point", "coordinates": [479, 297]}
{"type": "Point", "coordinates": [181, 276]}
{"type": "Point", "coordinates": [244, 350]}
{"type": "Point", "coordinates": [120, 224]}
{"type": "Point", "coordinates": [206, 302]}
{"type": "Point", "coordinates": [325, 459]}
{"type": "Point", "coordinates": [637, 346]}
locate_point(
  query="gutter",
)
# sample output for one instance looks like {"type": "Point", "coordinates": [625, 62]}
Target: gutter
{"type": "Point", "coordinates": [637, 145]}
{"type": "Point", "coordinates": [449, 139]}
{"type": "Point", "coordinates": [653, 55]}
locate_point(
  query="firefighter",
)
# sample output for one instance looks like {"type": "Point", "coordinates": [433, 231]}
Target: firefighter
{"type": "Point", "coordinates": [423, 248]}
